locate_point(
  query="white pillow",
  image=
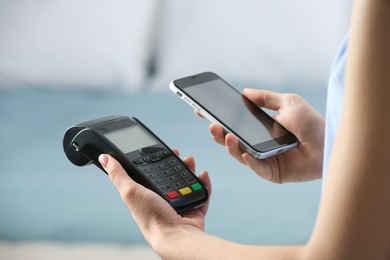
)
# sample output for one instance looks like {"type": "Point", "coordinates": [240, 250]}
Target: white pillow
{"type": "Point", "coordinates": [279, 42]}
{"type": "Point", "coordinates": [75, 43]}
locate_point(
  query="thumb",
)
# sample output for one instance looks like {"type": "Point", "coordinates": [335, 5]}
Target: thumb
{"type": "Point", "coordinates": [118, 175]}
{"type": "Point", "coordinates": [144, 204]}
{"type": "Point", "coordinates": [263, 98]}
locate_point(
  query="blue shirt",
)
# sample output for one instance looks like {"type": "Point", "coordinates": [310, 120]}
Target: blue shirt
{"type": "Point", "coordinates": [335, 101]}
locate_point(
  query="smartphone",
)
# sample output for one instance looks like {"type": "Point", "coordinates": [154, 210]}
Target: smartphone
{"type": "Point", "coordinates": [144, 156]}
{"type": "Point", "coordinates": [216, 100]}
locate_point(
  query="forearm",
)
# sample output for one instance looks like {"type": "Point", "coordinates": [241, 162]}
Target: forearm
{"type": "Point", "coordinates": [194, 244]}
{"type": "Point", "coordinates": [353, 221]}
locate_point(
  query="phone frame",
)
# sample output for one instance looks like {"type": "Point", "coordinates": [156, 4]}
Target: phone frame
{"type": "Point", "coordinates": [260, 150]}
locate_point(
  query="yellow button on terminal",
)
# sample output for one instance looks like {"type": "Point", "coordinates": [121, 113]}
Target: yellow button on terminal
{"type": "Point", "coordinates": [185, 191]}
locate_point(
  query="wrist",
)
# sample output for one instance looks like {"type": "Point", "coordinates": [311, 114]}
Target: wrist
{"type": "Point", "coordinates": [173, 242]}
{"type": "Point", "coordinates": [188, 242]}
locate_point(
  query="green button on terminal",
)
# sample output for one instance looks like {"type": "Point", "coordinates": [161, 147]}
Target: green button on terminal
{"type": "Point", "coordinates": [197, 186]}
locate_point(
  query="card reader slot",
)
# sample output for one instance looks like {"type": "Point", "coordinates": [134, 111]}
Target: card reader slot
{"type": "Point", "coordinates": [75, 146]}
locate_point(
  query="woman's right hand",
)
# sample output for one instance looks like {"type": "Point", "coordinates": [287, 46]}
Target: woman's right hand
{"type": "Point", "coordinates": [303, 163]}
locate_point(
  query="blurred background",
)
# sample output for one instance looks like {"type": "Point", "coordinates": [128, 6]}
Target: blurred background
{"type": "Point", "coordinates": [66, 62]}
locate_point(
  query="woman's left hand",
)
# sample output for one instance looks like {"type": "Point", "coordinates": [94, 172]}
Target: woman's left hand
{"type": "Point", "coordinates": [152, 213]}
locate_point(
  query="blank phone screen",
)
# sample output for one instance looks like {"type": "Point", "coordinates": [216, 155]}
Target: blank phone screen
{"type": "Point", "coordinates": [228, 106]}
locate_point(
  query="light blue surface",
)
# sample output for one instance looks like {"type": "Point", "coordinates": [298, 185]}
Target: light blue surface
{"type": "Point", "coordinates": [44, 197]}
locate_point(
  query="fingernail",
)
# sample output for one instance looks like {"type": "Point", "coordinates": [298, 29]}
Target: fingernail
{"type": "Point", "coordinates": [212, 134]}
{"type": "Point", "coordinates": [228, 144]}
{"type": "Point", "coordinates": [103, 159]}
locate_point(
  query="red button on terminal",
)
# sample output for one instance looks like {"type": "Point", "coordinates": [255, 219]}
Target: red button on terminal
{"type": "Point", "coordinates": [172, 194]}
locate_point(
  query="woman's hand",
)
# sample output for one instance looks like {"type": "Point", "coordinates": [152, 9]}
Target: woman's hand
{"type": "Point", "coordinates": [155, 217]}
{"type": "Point", "coordinates": [303, 163]}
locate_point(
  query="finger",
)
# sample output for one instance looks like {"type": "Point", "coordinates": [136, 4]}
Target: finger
{"type": "Point", "coordinates": [176, 151]}
{"type": "Point", "coordinates": [233, 147]}
{"type": "Point", "coordinates": [198, 114]}
{"type": "Point", "coordinates": [133, 193]}
{"type": "Point", "coordinates": [190, 162]}
{"type": "Point", "coordinates": [217, 133]}
{"type": "Point", "coordinates": [119, 177]}
{"type": "Point", "coordinates": [114, 170]}
{"type": "Point", "coordinates": [264, 98]}
{"type": "Point", "coordinates": [205, 178]}
{"type": "Point", "coordinates": [259, 166]}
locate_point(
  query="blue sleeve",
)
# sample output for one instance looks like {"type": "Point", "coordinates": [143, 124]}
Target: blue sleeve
{"type": "Point", "coordinates": [335, 100]}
